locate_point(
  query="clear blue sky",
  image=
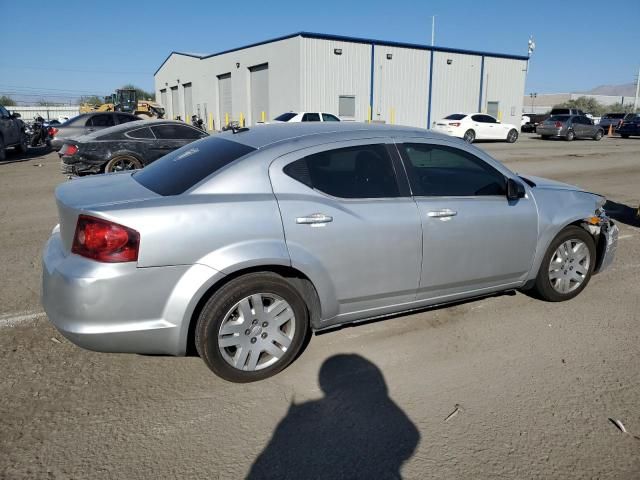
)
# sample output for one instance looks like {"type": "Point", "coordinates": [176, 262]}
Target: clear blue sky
{"type": "Point", "coordinates": [74, 47]}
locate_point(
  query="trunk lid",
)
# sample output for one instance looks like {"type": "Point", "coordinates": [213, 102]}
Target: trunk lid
{"type": "Point", "coordinates": [84, 194]}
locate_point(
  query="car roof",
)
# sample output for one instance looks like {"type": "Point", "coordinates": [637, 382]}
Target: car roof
{"type": "Point", "coordinates": [123, 127]}
{"type": "Point", "coordinates": [317, 133]}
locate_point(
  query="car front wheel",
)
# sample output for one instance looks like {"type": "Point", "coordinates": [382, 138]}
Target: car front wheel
{"type": "Point", "coordinates": [567, 266]}
{"type": "Point", "coordinates": [512, 136]}
{"type": "Point", "coordinates": [252, 328]}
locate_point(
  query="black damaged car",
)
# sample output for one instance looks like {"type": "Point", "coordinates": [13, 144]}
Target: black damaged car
{"type": "Point", "coordinates": [125, 147]}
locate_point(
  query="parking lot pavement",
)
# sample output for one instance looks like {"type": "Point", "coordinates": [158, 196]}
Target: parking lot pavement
{"type": "Point", "coordinates": [507, 386]}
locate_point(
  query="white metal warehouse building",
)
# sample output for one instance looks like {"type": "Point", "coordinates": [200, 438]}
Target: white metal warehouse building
{"type": "Point", "coordinates": [358, 79]}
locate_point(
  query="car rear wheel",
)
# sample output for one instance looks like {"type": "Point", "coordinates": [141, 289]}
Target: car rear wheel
{"type": "Point", "coordinates": [252, 328]}
{"type": "Point", "coordinates": [469, 136]}
{"type": "Point", "coordinates": [121, 163]}
{"type": "Point", "coordinates": [512, 136]}
{"type": "Point", "coordinates": [567, 266]}
{"type": "Point", "coordinates": [624, 136]}
{"type": "Point", "coordinates": [570, 136]}
{"type": "Point", "coordinates": [598, 136]}
{"type": "Point", "coordinates": [24, 144]}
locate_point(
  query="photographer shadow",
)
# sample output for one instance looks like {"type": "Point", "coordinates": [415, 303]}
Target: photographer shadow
{"type": "Point", "coordinates": [355, 431]}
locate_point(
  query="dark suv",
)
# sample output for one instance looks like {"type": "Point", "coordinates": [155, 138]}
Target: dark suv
{"type": "Point", "coordinates": [11, 132]}
{"type": "Point", "coordinates": [87, 123]}
{"type": "Point", "coordinates": [629, 126]}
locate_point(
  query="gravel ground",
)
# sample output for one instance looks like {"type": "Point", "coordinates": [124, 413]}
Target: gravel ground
{"type": "Point", "coordinates": [504, 387]}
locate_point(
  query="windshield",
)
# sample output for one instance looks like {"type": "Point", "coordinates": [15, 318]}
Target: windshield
{"type": "Point", "coordinates": [178, 171]}
{"type": "Point", "coordinates": [455, 116]}
{"type": "Point", "coordinates": [285, 117]}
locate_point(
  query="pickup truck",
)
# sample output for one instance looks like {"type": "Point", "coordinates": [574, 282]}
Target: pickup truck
{"type": "Point", "coordinates": [11, 132]}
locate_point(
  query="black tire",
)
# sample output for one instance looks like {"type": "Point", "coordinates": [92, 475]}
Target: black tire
{"type": "Point", "coordinates": [544, 137]}
{"type": "Point", "coordinates": [126, 162]}
{"type": "Point", "coordinates": [3, 152]}
{"type": "Point", "coordinates": [222, 301]}
{"type": "Point", "coordinates": [23, 146]}
{"type": "Point", "coordinates": [469, 136]}
{"type": "Point", "coordinates": [512, 136]}
{"type": "Point", "coordinates": [570, 136]}
{"type": "Point", "coordinates": [543, 286]}
{"type": "Point", "coordinates": [598, 136]}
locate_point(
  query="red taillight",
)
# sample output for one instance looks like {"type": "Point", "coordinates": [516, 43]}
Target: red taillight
{"type": "Point", "coordinates": [68, 150]}
{"type": "Point", "coordinates": [558, 124]}
{"type": "Point", "coordinates": [52, 131]}
{"type": "Point", "coordinates": [454, 124]}
{"type": "Point", "coordinates": [105, 241]}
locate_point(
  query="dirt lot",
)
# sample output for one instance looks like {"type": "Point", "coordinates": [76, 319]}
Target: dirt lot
{"type": "Point", "coordinates": [531, 385]}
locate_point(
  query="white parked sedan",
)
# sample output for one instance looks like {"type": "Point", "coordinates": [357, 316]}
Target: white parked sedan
{"type": "Point", "coordinates": [476, 126]}
{"type": "Point", "coordinates": [293, 117]}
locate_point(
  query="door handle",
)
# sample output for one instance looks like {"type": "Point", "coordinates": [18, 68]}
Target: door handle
{"type": "Point", "coordinates": [444, 213]}
{"type": "Point", "coordinates": [314, 218]}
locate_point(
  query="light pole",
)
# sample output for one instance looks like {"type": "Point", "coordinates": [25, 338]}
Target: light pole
{"type": "Point", "coordinates": [533, 96]}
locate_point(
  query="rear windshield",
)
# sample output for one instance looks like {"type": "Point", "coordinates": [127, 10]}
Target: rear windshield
{"type": "Point", "coordinates": [559, 118]}
{"type": "Point", "coordinates": [285, 117]}
{"type": "Point", "coordinates": [614, 115]}
{"type": "Point", "coordinates": [455, 116]}
{"type": "Point", "coordinates": [178, 171]}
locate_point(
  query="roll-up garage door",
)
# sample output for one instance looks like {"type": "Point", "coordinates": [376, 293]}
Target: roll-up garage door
{"type": "Point", "coordinates": [175, 108]}
{"type": "Point", "coordinates": [224, 95]}
{"type": "Point", "coordinates": [188, 103]}
{"type": "Point", "coordinates": [259, 93]}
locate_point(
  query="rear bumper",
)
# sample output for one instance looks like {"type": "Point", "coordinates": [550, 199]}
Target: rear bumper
{"type": "Point", "coordinates": [550, 132]}
{"type": "Point", "coordinates": [77, 168]}
{"type": "Point", "coordinates": [119, 307]}
{"type": "Point", "coordinates": [453, 132]}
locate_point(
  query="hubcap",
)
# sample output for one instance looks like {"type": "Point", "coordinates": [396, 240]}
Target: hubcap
{"type": "Point", "coordinates": [256, 332]}
{"type": "Point", "coordinates": [569, 266]}
{"type": "Point", "coordinates": [121, 165]}
{"type": "Point", "coordinates": [468, 137]}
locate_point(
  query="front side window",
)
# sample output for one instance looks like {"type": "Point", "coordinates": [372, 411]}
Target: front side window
{"type": "Point", "coordinates": [354, 172]}
{"type": "Point", "coordinates": [3, 112]}
{"type": "Point", "coordinates": [101, 121]}
{"type": "Point", "coordinates": [327, 117]}
{"type": "Point", "coordinates": [176, 132]}
{"type": "Point", "coordinates": [440, 171]}
{"type": "Point", "coordinates": [311, 117]}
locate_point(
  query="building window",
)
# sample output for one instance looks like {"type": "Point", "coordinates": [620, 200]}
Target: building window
{"type": "Point", "coordinates": [347, 106]}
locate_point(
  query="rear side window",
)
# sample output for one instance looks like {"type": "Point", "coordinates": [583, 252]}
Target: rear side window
{"type": "Point", "coordinates": [140, 133]}
{"type": "Point", "coordinates": [176, 132]}
{"type": "Point", "coordinates": [101, 121]}
{"type": "Point", "coordinates": [311, 117]}
{"type": "Point", "coordinates": [439, 171]}
{"type": "Point", "coordinates": [353, 172]}
{"type": "Point", "coordinates": [285, 117]}
{"type": "Point", "coordinates": [183, 168]}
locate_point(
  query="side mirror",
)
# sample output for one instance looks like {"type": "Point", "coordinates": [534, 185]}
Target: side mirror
{"type": "Point", "coordinates": [515, 189]}
{"type": "Point", "coordinates": [15, 115]}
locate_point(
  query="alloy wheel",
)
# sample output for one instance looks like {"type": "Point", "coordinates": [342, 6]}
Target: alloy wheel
{"type": "Point", "coordinates": [569, 266]}
{"type": "Point", "coordinates": [256, 332]}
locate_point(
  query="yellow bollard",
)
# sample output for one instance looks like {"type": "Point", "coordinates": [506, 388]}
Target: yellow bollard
{"type": "Point", "coordinates": [226, 119]}
{"type": "Point", "coordinates": [393, 116]}
{"type": "Point", "coordinates": [263, 116]}
{"type": "Point", "coordinates": [369, 115]}
{"type": "Point", "coordinates": [241, 119]}
{"type": "Point", "coordinates": [187, 119]}
{"type": "Point", "coordinates": [210, 121]}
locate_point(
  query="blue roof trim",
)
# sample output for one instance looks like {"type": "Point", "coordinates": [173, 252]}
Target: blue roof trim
{"type": "Point", "coordinates": [344, 38]}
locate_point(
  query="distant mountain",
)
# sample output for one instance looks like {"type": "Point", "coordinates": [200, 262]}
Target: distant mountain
{"type": "Point", "coordinates": [627, 90]}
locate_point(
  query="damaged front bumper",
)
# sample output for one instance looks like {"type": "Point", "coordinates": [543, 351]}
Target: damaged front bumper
{"type": "Point", "coordinates": [607, 243]}
{"type": "Point", "coordinates": [78, 168]}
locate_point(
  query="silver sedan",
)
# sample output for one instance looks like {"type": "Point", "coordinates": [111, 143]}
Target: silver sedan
{"type": "Point", "coordinates": [244, 243]}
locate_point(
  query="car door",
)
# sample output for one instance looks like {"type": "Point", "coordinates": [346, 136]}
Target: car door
{"type": "Point", "coordinates": [171, 136]}
{"type": "Point", "coordinates": [99, 121]}
{"type": "Point", "coordinates": [351, 225]}
{"type": "Point", "coordinates": [474, 239]}
{"type": "Point", "coordinates": [311, 117]}
{"type": "Point", "coordinates": [481, 127]}
{"type": "Point", "coordinates": [9, 127]}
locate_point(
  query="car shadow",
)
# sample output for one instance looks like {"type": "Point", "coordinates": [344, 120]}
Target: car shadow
{"type": "Point", "coordinates": [622, 213]}
{"type": "Point", "coordinates": [354, 431]}
{"type": "Point", "coordinates": [13, 156]}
